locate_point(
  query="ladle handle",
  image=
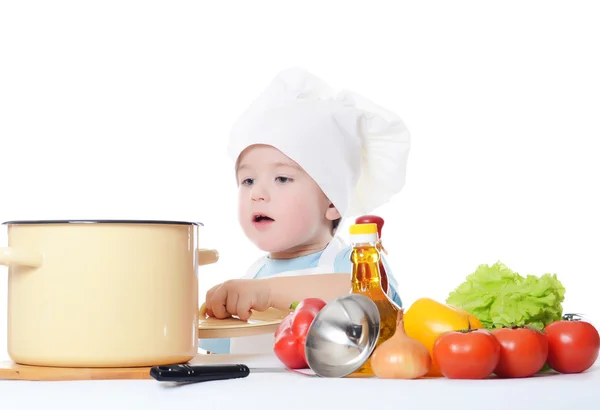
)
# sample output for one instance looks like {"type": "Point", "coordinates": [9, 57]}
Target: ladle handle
{"type": "Point", "coordinates": [184, 373]}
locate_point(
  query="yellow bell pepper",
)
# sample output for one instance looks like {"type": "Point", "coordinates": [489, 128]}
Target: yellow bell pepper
{"type": "Point", "coordinates": [426, 319]}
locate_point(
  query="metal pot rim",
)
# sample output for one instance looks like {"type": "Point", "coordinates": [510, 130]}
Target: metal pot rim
{"type": "Point", "coordinates": [100, 221]}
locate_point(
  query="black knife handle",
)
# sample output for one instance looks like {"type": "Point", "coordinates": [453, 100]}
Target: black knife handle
{"type": "Point", "coordinates": [198, 373]}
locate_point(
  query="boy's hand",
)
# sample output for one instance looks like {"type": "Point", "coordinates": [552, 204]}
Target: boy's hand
{"type": "Point", "coordinates": [238, 297]}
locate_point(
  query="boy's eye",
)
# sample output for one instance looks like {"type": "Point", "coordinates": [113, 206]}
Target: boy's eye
{"type": "Point", "coordinates": [283, 180]}
{"type": "Point", "coordinates": [248, 181]}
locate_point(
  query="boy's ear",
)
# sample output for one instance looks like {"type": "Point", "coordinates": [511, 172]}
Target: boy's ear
{"type": "Point", "coordinates": [332, 213]}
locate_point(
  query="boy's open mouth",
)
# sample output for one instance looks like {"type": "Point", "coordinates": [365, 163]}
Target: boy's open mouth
{"type": "Point", "coordinates": [261, 218]}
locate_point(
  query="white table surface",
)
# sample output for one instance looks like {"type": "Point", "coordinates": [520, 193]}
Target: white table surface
{"type": "Point", "coordinates": [283, 390]}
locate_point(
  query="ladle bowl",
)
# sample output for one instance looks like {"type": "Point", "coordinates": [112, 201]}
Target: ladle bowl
{"type": "Point", "coordinates": [342, 336]}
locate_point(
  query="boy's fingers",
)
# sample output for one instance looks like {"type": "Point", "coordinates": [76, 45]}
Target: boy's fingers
{"type": "Point", "coordinates": [261, 303]}
{"type": "Point", "coordinates": [231, 302]}
{"type": "Point", "coordinates": [220, 311]}
{"type": "Point", "coordinates": [244, 304]}
{"type": "Point", "coordinates": [218, 303]}
{"type": "Point", "coordinates": [207, 308]}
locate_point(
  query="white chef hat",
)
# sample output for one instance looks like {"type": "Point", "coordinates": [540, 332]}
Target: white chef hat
{"type": "Point", "coordinates": [355, 150]}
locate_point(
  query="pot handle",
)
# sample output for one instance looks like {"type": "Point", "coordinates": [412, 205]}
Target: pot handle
{"type": "Point", "coordinates": [12, 256]}
{"type": "Point", "coordinates": [205, 256]}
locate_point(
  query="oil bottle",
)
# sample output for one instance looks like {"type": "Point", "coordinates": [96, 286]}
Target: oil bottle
{"type": "Point", "coordinates": [365, 219]}
{"type": "Point", "coordinates": [366, 280]}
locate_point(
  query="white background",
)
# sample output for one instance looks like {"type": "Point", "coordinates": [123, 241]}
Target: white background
{"type": "Point", "coordinates": [122, 109]}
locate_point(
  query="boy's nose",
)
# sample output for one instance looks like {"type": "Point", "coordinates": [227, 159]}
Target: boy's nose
{"type": "Point", "coordinates": [259, 193]}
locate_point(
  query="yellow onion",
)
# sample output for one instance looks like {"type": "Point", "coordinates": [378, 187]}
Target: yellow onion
{"type": "Point", "coordinates": [400, 357]}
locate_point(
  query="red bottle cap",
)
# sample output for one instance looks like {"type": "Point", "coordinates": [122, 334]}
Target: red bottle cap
{"type": "Point", "coordinates": [371, 219]}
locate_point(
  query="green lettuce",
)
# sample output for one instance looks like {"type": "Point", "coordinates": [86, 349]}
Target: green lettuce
{"type": "Point", "coordinates": [499, 297]}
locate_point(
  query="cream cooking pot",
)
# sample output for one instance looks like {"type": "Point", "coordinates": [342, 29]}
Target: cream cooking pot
{"type": "Point", "coordinates": [103, 293]}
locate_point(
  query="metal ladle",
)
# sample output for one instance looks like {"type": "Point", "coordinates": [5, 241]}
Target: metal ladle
{"type": "Point", "coordinates": [342, 336]}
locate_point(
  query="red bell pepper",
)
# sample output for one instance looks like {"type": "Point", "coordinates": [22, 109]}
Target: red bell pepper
{"type": "Point", "coordinates": [290, 336]}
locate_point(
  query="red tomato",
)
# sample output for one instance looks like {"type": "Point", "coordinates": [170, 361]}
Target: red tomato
{"type": "Point", "coordinates": [573, 345]}
{"type": "Point", "coordinates": [469, 354]}
{"type": "Point", "coordinates": [523, 351]}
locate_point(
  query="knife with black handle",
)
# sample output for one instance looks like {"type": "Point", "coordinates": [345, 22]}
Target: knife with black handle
{"type": "Point", "coordinates": [185, 373]}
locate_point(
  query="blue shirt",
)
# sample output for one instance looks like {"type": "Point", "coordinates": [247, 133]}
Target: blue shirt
{"type": "Point", "coordinates": [342, 264]}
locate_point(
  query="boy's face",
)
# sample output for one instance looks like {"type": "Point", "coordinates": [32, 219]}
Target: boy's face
{"type": "Point", "coordinates": [280, 207]}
